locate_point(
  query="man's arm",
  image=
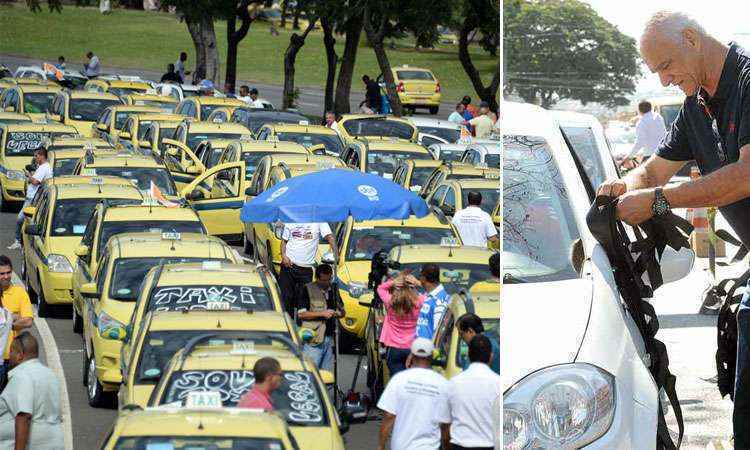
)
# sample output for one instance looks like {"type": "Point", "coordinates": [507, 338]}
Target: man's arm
{"type": "Point", "coordinates": [332, 242]}
{"type": "Point", "coordinates": [385, 429]}
{"type": "Point", "coordinates": [23, 425]}
{"type": "Point", "coordinates": [656, 171]}
{"type": "Point", "coordinates": [285, 261]}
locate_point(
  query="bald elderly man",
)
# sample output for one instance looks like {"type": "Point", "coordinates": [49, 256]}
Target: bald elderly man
{"type": "Point", "coordinates": [712, 128]}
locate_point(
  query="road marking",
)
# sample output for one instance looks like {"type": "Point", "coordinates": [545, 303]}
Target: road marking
{"type": "Point", "coordinates": [54, 363]}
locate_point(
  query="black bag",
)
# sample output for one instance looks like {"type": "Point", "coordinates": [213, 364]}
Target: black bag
{"type": "Point", "coordinates": [659, 232]}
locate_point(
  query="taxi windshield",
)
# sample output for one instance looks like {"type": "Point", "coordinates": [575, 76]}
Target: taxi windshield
{"type": "Point", "coordinates": [113, 227]}
{"type": "Point", "coordinates": [420, 75]}
{"type": "Point", "coordinates": [217, 296]}
{"type": "Point", "coordinates": [492, 160]}
{"type": "Point", "coordinates": [332, 143]}
{"type": "Point", "coordinates": [196, 443]}
{"type": "Point", "coordinates": [89, 109]}
{"type": "Point", "coordinates": [490, 197]}
{"type": "Point", "coordinates": [449, 134]}
{"type": "Point", "coordinates": [194, 139]}
{"type": "Point", "coordinates": [538, 222]}
{"type": "Point", "coordinates": [379, 127]}
{"type": "Point", "coordinates": [297, 399]}
{"type": "Point", "coordinates": [142, 177]}
{"type": "Point", "coordinates": [384, 162]}
{"type": "Point", "coordinates": [37, 102]}
{"type": "Point", "coordinates": [364, 242]}
{"type": "Point", "coordinates": [25, 143]}
{"type": "Point", "coordinates": [123, 91]}
{"type": "Point", "coordinates": [419, 176]}
{"type": "Point", "coordinates": [447, 154]}
{"type": "Point", "coordinates": [455, 276]}
{"type": "Point", "coordinates": [167, 107]}
{"type": "Point", "coordinates": [72, 215]}
{"type": "Point", "coordinates": [128, 273]}
{"type": "Point", "coordinates": [251, 161]}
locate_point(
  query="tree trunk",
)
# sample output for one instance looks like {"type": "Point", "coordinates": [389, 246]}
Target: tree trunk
{"type": "Point", "coordinates": [346, 71]}
{"type": "Point", "coordinates": [296, 42]}
{"type": "Point", "coordinates": [212, 51]}
{"type": "Point", "coordinates": [486, 93]}
{"type": "Point", "coordinates": [331, 60]}
{"type": "Point", "coordinates": [200, 53]}
{"type": "Point", "coordinates": [234, 37]}
{"type": "Point", "coordinates": [376, 38]}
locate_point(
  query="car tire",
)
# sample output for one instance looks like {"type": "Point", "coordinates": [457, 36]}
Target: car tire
{"type": "Point", "coordinates": [44, 309]}
{"type": "Point", "coordinates": [77, 321]}
{"type": "Point", "coordinates": [32, 293]}
{"type": "Point", "coordinates": [84, 365]}
{"type": "Point", "coordinates": [4, 206]}
{"type": "Point", "coordinates": [246, 245]}
{"type": "Point", "coordinates": [434, 110]}
{"type": "Point", "coordinates": [94, 390]}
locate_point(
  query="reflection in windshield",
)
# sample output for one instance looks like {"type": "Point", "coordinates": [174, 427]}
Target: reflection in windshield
{"type": "Point", "coordinates": [37, 102]}
{"type": "Point", "coordinates": [450, 154]}
{"type": "Point", "coordinates": [384, 162]}
{"type": "Point", "coordinates": [364, 242]}
{"type": "Point", "coordinates": [194, 139]}
{"type": "Point", "coordinates": [584, 145]}
{"type": "Point", "coordinates": [538, 224]}
{"type": "Point", "coordinates": [193, 443]}
{"type": "Point", "coordinates": [419, 176]}
{"type": "Point", "coordinates": [72, 215]}
{"type": "Point", "coordinates": [64, 166]}
{"type": "Point", "coordinates": [379, 127]}
{"type": "Point", "coordinates": [490, 198]}
{"type": "Point", "coordinates": [142, 177]}
{"type": "Point", "coordinates": [89, 109]}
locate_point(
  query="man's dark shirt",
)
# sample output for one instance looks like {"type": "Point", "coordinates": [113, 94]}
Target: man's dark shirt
{"type": "Point", "coordinates": [171, 76]}
{"type": "Point", "coordinates": [373, 94]}
{"type": "Point", "coordinates": [691, 137]}
{"type": "Point", "coordinates": [304, 303]}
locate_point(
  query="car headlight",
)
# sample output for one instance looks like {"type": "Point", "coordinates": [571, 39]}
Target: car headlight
{"type": "Point", "coordinates": [15, 175]}
{"type": "Point", "coordinates": [108, 327]}
{"type": "Point", "coordinates": [566, 406]}
{"type": "Point", "coordinates": [357, 289]}
{"type": "Point", "coordinates": [58, 263]}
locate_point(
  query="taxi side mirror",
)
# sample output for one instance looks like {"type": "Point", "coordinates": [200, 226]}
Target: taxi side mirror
{"type": "Point", "coordinates": [251, 191]}
{"type": "Point", "coordinates": [33, 229]}
{"type": "Point", "coordinates": [88, 290]}
{"type": "Point", "coordinates": [82, 250]}
{"type": "Point", "coordinates": [319, 149]}
{"type": "Point", "coordinates": [193, 170]}
{"type": "Point", "coordinates": [29, 211]}
{"type": "Point", "coordinates": [125, 135]}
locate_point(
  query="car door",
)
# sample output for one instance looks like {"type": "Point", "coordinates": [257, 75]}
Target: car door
{"type": "Point", "coordinates": [35, 251]}
{"type": "Point", "coordinates": [448, 205]}
{"type": "Point", "coordinates": [219, 202]}
{"type": "Point", "coordinates": [436, 198]}
{"type": "Point", "coordinates": [83, 270]}
{"type": "Point", "coordinates": [181, 162]}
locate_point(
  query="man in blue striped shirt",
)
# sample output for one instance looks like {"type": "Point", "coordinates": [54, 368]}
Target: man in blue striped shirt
{"type": "Point", "coordinates": [436, 303]}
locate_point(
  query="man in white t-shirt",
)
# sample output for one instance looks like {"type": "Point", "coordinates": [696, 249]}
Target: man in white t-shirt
{"type": "Point", "coordinates": [299, 246]}
{"type": "Point", "coordinates": [471, 395]}
{"type": "Point", "coordinates": [415, 404]}
{"type": "Point", "coordinates": [474, 225]}
{"type": "Point", "coordinates": [42, 172]}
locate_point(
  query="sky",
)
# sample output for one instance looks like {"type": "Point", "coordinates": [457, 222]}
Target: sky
{"type": "Point", "coordinates": [725, 19]}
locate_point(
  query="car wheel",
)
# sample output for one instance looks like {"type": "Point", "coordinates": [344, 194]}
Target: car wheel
{"type": "Point", "coordinates": [434, 110]}
{"type": "Point", "coordinates": [44, 308]}
{"type": "Point", "coordinates": [77, 321]}
{"type": "Point", "coordinates": [3, 203]}
{"type": "Point", "coordinates": [94, 390]}
{"type": "Point", "coordinates": [246, 245]}
{"type": "Point", "coordinates": [30, 290]}
{"type": "Point", "coordinates": [84, 365]}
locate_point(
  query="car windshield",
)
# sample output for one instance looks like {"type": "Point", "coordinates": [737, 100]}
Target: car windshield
{"type": "Point", "coordinates": [143, 127]}
{"type": "Point", "coordinates": [384, 162]}
{"type": "Point", "coordinates": [196, 443]}
{"type": "Point", "coordinates": [251, 161]}
{"type": "Point", "coordinates": [492, 160]}
{"type": "Point", "coordinates": [24, 143]}
{"type": "Point", "coordinates": [142, 177]}
{"type": "Point", "coordinates": [450, 154]}
{"type": "Point", "coordinates": [584, 145]}
{"type": "Point", "coordinates": [37, 102]}
{"type": "Point", "coordinates": [419, 176]}
{"type": "Point", "coordinates": [449, 134]}
{"type": "Point", "coordinates": [223, 296]}
{"type": "Point", "coordinates": [256, 118]}
{"type": "Point", "coordinates": [455, 276]}
{"type": "Point", "coordinates": [89, 109]}
{"type": "Point", "coordinates": [113, 227]}
{"type": "Point", "coordinates": [420, 75]}
{"type": "Point", "coordinates": [490, 197]}
{"type": "Point", "coordinates": [206, 110]}
{"type": "Point", "coordinates": [128, 273]}
{"type": "Point", "coordinates": [160, 346]}
{"type": "Point", "coordinates": [194, 139]}
{"type": "Point", "coordinates": [298, 399]}
{"type": "Point", "coordinates": [332, 143]}
{"type": "Point", "coordinates": [64, 166]}
{"type": "Point", "coordinates": [72, 215]}
{"type": "Point", "coordinates": [379, 127]}
{"type": "Point", "coordinates": [121, 117]}
{"type": "Point", "coordinates": [122, 91]}
{"type": "Point", "coordinates": [539, 228]}
{"type": "Point", "coordinates": [491, 328]}
{"type": "Point", "coordinates": [167, 107]}
{"type": "Point", "coordinates": [166, 133]}
{"type": "Point", "coordinates": [364, 242]}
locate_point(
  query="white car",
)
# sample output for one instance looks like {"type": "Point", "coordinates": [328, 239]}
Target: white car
{"type": "Point", "coordinates": [573, 370]}
{"type": "Point", "coordinates": [447, 152]}
{"type": "Point", "coordinates": [434, 131]}
{"type": "Point", "coordinates": [180, 91]}
{"type": "Point", "coordinates": [483, 155]}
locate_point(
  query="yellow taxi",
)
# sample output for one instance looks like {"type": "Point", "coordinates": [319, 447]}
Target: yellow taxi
{"type": "Point", "coordinates": [18, 142]}
{"type": "Point", "coordinates": [109, 298]}
{"type": "Point", "coordinates": [198, 428]}
{"type": "Point", "coordinates": [417, 88]}
{"type": "Point", "coordinates": [253, 151]}
{"type": "Point", "coordinates": [152, 343]}
{"type": "Point", "coordinates": [412, 174]}
{"type": "Point", "coordinates": [381, 156]}
{"type": "Point", "coordinates": [7, 83]}
{"type": "Point", "coordinates": [165, 104]}
{"type": "Point", "coordinates": [456, 171]}
{"type": "Point", "coordinates": [33, 100]}
{"type": "Point", "coordinates": [452, 351]}
{"type": "Point", "coordinates": [209, 152]}
{"type": "Point", "coordinates": [358, 242]}
{"type": "Point", "coordinates": [55, 223]}
{"type": "Point", "coordinates": [80, 109]}
{"type": "Point", "coordinates": [148, 130]}
{"type": "Point", "coordinates": [273, 169]}
{"type": "Point", "coordinates": [450, 195]}
{"type": "Point", "coordinates": [224, 370]}
{"type": "Point", "coordinates": [65, 153]}
{"type": "Point", "coordinates": [200, 107]}
{"type": "Point", "coordinates": [307, 135]}
{"type": "Point", "coordinates": [143, 170]}
{"type": "Point", "coordinates": [460, 268]}
{"type": "Point", "coordinates": [10, 118]}
{"type": "Point", "coordinates": [185, 164]}
{"type": "Point", "coordinates": [120, 88]}
{"type": "Point", "coordinates": [219, 115]}
{"type": "Point", "coordinates": [352, 126]}
{"type": "Point", "coordinates": [112, 120]}
{"type": "Point", "coordinates": [191, 133]}
{"type": "Point", "coordinates": [108, 220]}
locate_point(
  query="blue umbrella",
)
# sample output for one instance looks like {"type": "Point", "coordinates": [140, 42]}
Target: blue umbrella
{"type": "Point", "coordinates": [331, 196]}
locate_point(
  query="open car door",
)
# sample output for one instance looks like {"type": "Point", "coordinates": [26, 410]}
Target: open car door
{"type": "Point", "coordinates": [181, 162]}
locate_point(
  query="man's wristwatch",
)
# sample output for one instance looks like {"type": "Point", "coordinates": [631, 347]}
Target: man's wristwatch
{"type": "Point", "coordinates": [660, 206]}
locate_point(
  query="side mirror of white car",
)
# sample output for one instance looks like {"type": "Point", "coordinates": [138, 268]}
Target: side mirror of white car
{"type": "Point", "coordinates": [676, 265]}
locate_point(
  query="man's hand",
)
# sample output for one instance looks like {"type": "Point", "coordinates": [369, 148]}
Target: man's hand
{"type": "Point", "coordinates": [612, 188]}
{"type": "Point", "coordinates": [328, 313]}
{"type": "Point", "coordinates": [285, 261]}
{"type": "Point", "coordinates": [635, 207]}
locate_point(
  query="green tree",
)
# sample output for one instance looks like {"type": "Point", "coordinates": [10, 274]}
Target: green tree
{"type": "Point", "coordinates": [562, 49]}
{"type": "Point", "coordinates": [479, 17]}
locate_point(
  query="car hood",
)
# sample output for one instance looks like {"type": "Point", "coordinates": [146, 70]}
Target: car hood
{"type": "Point", "coordinates": [317, 438]}
{"type": "Point", "coordinates": [543, 325]}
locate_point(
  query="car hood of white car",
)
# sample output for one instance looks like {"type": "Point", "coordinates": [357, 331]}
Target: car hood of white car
{"type": "Point", "coordinates": [543, 325]}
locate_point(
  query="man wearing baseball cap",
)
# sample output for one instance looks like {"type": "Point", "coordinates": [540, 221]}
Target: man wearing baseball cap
{"type": "Point", "coordinates": [415, 404]}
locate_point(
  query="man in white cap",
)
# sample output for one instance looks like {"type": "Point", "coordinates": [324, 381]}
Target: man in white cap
{"type": "Point", "coordinates": [415, 404]}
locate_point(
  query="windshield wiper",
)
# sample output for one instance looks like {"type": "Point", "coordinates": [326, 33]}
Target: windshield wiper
{"type": "Point", "coordinates": [509, 278]}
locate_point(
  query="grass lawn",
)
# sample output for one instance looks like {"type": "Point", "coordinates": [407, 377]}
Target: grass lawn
{"type": "Point", "coordinates": [145, 40]}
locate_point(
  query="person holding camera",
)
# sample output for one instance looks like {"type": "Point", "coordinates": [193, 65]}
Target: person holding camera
{"type": "Point", "coordinates": [318, 308]}
{"type": "Point", "coordinates": [43, 172]}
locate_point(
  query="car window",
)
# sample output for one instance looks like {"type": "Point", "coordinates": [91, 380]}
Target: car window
{"type": "Point", "coordinates": [384, 162]}
{"type": "Point", "coordinates": [72, 215]}
{"type": "Point", "coordinates": [88, 237]}
{"type": "Point", "coordinates": [450, 198]}
{"type": "Point", "coordinates": [419, 75]}
{"type": "Point", "coordinates": [449, 134]}
{"type": "Point", "coordinates": [364, 242]}
{"type": "Point", "coordinates": [583, 143]}
{"type": "Point", "coordinates": [379, 127]}
{"type": "Point", "coordinates": [37, 102]}
{"type": "Point", "coordinates": [444, 332]}
{"type": "Point", "coordinates": [438, 195]}
{"type": "Point", "coordinates": [89, 109]}
{"type": "Point", "coordinates": [333, 144]}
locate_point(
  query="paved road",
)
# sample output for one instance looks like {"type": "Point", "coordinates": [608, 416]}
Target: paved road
{"type": "Point", "coordinates": [310, 100]}
{"type": "Point", "coordinates": [89, 425]}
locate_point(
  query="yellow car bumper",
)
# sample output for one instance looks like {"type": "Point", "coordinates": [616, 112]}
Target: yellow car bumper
{"type": "Point", "coordinates": [13, 190]}
{"type": "Point", "coordinates": [57, 286]}
{"type": "Point", "coordinates": [420, 99]}
{"type": "Point", "coordinates": [355, 320]}
{"type": "Point", "coordinates": [107, 358]}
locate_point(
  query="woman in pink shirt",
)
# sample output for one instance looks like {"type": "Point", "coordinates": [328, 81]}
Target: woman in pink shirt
{"type": "Point", "coordinates": [402, 305]}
